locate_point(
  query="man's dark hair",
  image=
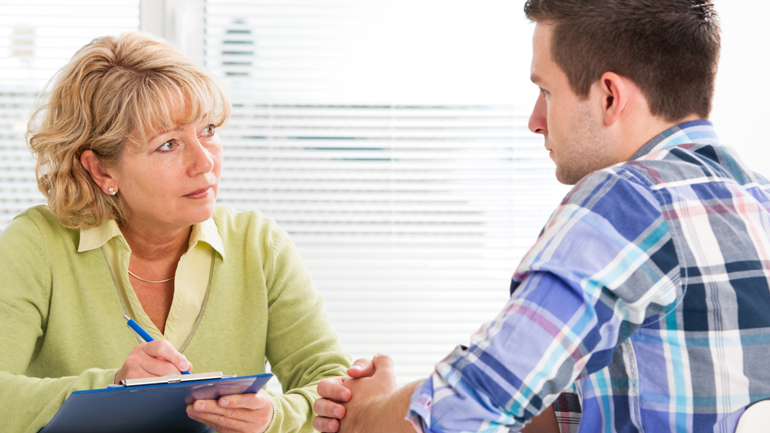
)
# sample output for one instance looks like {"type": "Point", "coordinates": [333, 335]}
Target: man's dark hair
{"type": "Point", "coordinates": [668, 48]}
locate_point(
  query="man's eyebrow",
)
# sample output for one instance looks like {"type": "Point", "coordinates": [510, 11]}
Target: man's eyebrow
{"type": "Point", "coordinates": [535, 78]}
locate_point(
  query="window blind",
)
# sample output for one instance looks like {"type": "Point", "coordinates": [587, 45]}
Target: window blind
{"type": "Point", "coordinates": [390, 140]}
{"type": "Point", "coordinates": [37, 37]}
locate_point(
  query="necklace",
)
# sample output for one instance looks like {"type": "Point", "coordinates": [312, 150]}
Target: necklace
{"type": "Point", "coordinates": [148, 281]}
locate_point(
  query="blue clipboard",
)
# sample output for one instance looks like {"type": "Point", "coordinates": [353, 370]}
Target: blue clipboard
{"type": "Point", "coordinates": [159, 407]}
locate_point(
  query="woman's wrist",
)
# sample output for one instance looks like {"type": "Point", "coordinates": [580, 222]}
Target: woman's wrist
{"type": "Point", "coordinates": [275, 409]}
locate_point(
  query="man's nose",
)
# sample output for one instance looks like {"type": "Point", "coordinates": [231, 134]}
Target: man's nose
{"type": "Point", "coordinates": [537, 120]}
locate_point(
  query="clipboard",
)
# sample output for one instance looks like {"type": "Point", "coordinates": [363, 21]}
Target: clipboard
{"type": "Point", "coordinates": [148, 405]}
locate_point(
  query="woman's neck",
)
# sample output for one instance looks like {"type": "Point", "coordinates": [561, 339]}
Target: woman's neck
{"type": "Point", "coordinates": [156, 245]}
{"type": "Point", "coordinates": [154, 259]}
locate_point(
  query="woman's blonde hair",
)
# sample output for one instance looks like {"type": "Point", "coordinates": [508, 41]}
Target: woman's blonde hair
{"type": "Point", "coordinates": [113, 91]}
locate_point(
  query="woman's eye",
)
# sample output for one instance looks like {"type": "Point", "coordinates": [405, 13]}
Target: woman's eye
{"type": "Point", "coordinates": [166, 147]}
{"type": "Point", "coordinates": [210, 129]}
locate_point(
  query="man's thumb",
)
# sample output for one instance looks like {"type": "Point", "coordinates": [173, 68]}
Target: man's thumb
{"type": "Point", "coordinates": [383, 364]}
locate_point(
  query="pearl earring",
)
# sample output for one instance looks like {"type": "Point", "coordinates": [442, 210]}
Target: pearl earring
{"type": "Point", "coordinates": [112, 191]}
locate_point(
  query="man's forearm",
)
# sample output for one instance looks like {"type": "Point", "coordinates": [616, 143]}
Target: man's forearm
{"type": "Point", "coordinates": [389, 415]}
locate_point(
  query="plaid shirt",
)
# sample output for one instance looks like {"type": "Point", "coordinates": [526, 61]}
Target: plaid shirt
{"type": "Point", "coordinates": [644, 304]}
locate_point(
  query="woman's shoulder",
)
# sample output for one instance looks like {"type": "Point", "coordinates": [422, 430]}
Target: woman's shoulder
{"type": "Point", "coordinates": [39, 212]}
{"type": "Point", "coordinates": [227, 219]}
{"type": "Point", "coordinates": [40, 218]}
{"type": "Point", "coordinates": [39, 223]}
{"type": "Point", "coordinates": [233, 224]}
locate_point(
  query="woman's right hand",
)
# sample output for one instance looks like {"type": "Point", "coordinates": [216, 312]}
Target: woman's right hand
{"type": "Point", "coordinates": [156, 358]}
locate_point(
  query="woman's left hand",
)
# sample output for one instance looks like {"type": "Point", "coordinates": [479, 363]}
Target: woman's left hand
{"type": "Point", "coordinates": [237, 413]}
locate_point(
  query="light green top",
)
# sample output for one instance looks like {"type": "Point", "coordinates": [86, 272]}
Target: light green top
{"type": "Point", "coordinates": [191, 279]}
{"type": "Point", "coordinates": [62, 326]}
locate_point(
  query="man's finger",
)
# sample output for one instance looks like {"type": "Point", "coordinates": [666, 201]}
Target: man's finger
{"type": "Point", "coordinates": [332, 389]}
{"type": "Point", "coordinates": [361, 368]}
{"type": "Point", "coordinates": [326, 425]}
{"type": "Point", "coordinates": [383, 364]}
{"type": "Point", "coordinates": [328, 409]}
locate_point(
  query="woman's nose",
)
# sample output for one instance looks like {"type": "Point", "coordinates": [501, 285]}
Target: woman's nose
{"type": "Point", "coordinates": [200, 159]}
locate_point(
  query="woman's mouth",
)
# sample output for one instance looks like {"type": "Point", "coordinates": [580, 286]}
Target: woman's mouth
{"type": "Point", "coordinates": [199, 194]}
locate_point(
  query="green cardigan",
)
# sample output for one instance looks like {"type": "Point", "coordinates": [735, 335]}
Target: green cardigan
{"type": "Point", "coordinates": [62, 326]}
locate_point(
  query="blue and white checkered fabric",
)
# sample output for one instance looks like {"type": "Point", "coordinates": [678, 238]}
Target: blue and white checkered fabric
{"type": "Point", "coordinates": [646, 298]}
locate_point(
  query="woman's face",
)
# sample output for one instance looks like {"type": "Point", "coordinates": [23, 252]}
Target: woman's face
{"type": "Point", "coordinates": [174, 182]}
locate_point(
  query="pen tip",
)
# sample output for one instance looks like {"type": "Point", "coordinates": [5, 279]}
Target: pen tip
{"type": "Point", "coordinates": [126, 317]}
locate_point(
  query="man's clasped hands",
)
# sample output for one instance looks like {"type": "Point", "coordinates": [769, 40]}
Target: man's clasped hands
{"type": "Point", "coordinates": [366, 399]}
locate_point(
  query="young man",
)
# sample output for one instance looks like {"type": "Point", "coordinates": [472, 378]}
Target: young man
{"type": "Point", "coordinates": [644, 303]}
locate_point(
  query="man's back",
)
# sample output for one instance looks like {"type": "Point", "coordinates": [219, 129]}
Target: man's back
{"type": "Point", "coordinates": [676, 264]}
{"type": "Point", "coordinates": [647, 290]}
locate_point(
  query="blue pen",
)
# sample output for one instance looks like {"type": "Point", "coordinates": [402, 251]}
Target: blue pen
{"type": "Point", "coordinates": [141, 333]}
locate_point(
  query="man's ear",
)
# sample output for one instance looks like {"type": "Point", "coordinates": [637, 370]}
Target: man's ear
{"type": "Point", "coordinates": [614, 93]}
{"type": "Point", "coordinates": [98, 173]}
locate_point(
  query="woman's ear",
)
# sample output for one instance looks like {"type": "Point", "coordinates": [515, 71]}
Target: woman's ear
{"type": "Point", "coordinates": [98, 173]}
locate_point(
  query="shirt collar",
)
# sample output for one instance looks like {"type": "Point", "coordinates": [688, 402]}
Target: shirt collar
{"type": "Point", "coordinates": [695, 131]}
{"type": "Point", "coordinates": [94, 237]}
{"type": "Point", "coordinates": [207, 232]}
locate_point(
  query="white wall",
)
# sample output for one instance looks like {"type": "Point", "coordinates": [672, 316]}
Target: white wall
{"type": "Point", "coordinates": [742, 101]}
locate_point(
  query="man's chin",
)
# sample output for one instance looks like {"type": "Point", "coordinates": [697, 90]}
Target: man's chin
{"type": "Point", "coordinates": [565, 177]}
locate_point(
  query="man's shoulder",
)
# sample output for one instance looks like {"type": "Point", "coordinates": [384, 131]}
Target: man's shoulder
{"type": "Point", "coordinates": [671, 167]}
{"type": "Point", "coordinates": [693, 162]}
{"type": "Point", "coordinates": [616, 183]}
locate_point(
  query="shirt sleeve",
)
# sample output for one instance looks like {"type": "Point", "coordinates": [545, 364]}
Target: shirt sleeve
{"type": "Point", "coordinates": [604, 262]}
{"type": "Point", "coordinates": [29, 403]}
{"type": "Point", "coordinates": [568, 410]}
{"type": "Point", "coordinates": [302, 347]}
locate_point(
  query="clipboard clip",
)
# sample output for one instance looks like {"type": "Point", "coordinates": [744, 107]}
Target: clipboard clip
{"type": "Point", "coordinates": [173, 378]}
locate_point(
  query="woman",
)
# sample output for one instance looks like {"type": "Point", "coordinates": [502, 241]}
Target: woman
{"type": "Point", "coordinates": [129, 159]}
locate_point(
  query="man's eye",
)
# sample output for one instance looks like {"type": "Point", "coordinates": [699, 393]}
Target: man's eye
{"type": "Point", "coordinates": [210, 129]}
{"type": "Point", "coordinates": [543, 92]}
